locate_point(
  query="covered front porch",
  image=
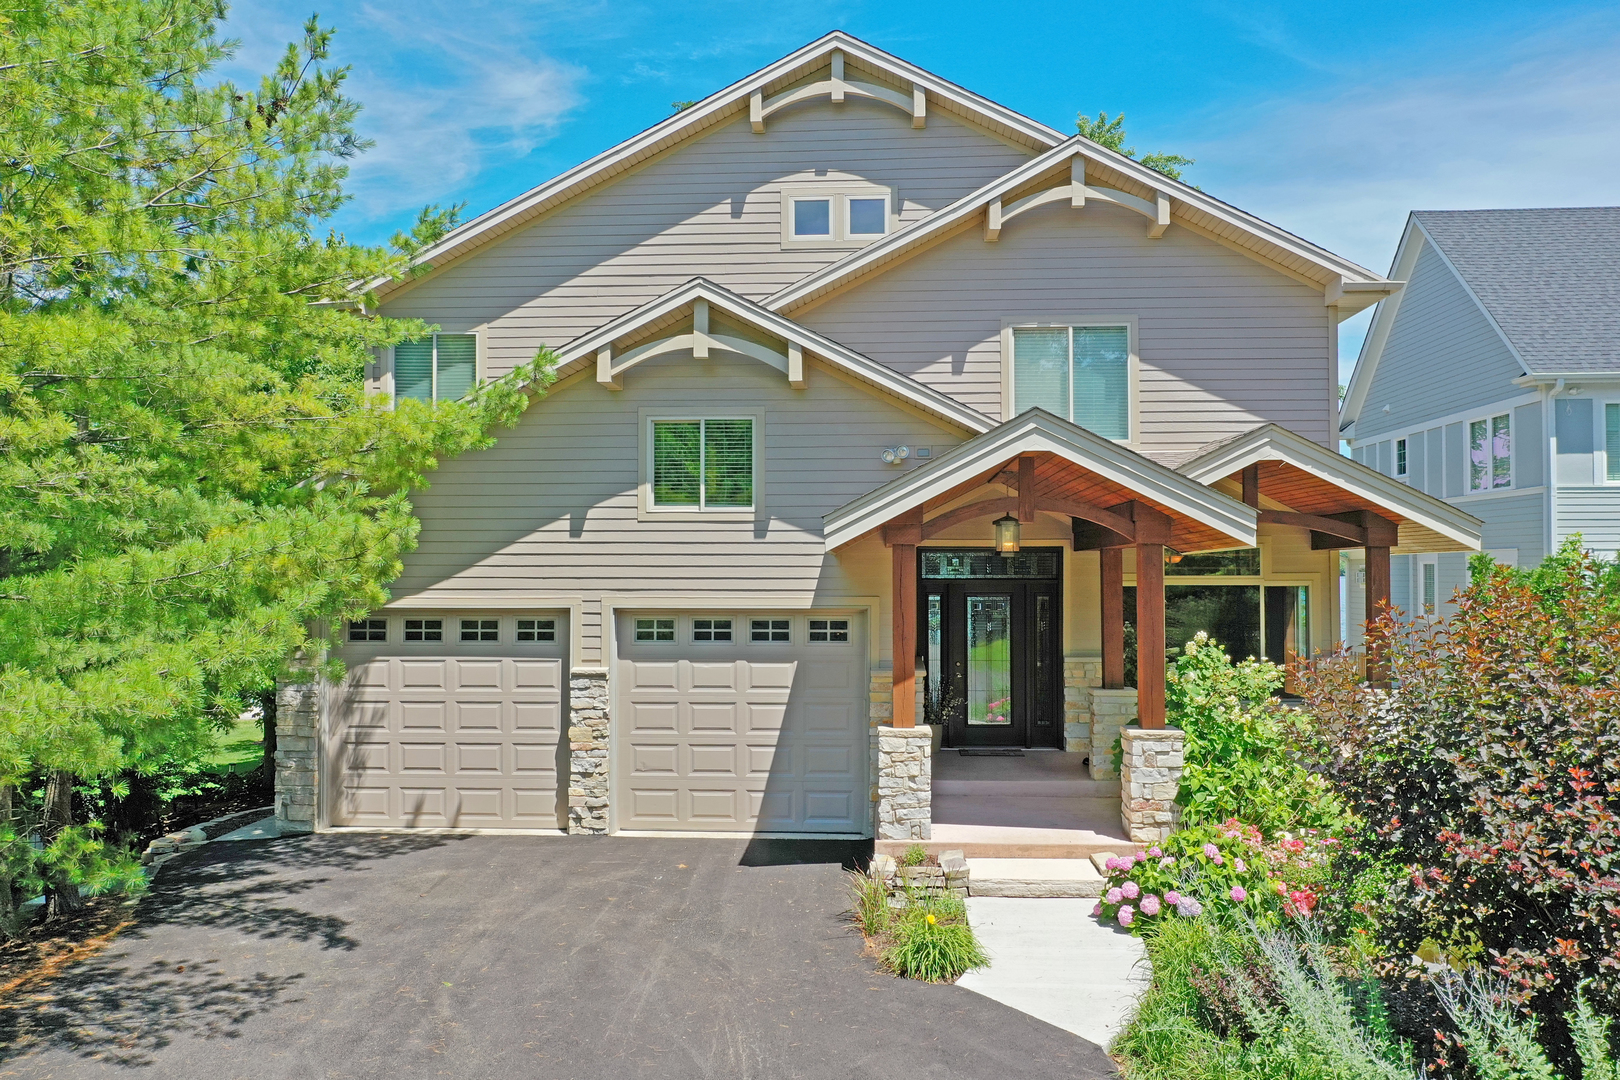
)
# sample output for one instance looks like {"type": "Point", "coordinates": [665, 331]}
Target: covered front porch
{"type": "Point", "coordinates": [1030, 610]}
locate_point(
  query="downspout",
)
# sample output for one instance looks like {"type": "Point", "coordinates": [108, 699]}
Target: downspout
{"type": "Point", "coordinates": [1550, 475]}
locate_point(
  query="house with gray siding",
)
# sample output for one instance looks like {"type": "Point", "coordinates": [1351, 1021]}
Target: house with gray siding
{"type": "Point", "coordinates": [880, 413]}
{"type": "Point", "coordinates": [1492, 381]}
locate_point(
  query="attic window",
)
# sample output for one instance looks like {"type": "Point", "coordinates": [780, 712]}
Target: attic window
{"type": "Point", "coordinates": [846, 213]}
{"type": "Point", "coordinates": [812, 218]}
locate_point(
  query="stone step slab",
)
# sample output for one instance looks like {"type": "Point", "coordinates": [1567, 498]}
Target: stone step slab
{"type": "Point", "coordinates": [1034, 877]}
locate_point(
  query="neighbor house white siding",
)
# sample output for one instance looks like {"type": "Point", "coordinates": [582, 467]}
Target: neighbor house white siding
{"type": "Point", "coordinates": [1225, 342]}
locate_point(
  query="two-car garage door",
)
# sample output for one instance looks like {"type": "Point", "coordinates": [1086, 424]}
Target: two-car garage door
{"type": "Point", "coordinates": [741, 724]}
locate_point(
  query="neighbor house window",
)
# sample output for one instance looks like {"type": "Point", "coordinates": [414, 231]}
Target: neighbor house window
{"type": "Point", "coordinates": [1490, 454]}
{"type": "Point", "coordinates": [1400, 457]}
{"type": "Point", "coordinates": [768, 630]}
{"type": "Point", "coordinates": [1081, 373]}
{"type": "Point", "coordinates": [1429, 585]}
{"type": "Point", "coordinates": [424, 629]}
{"type": "Point", "coordinates": [480, 630]}
{"type": "Point", "coordinates": [439, 367]}
{"type": "Point", "coordinates": [368, 629]}
{"type": "Point", "coordinates": [1611, 439]}
{"type": "Point", "coordinates": [655, 629]}
{"type": "Point", "coordinates": [711, 629]}
{"type": "Point", "coordinates": [703, 464]}
{"type": "Point", "coordinates": [829, 630]}
{"type": "Point", "coordinates": [537, 629]}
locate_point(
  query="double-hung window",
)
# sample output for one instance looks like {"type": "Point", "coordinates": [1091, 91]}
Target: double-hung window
{"type": "Point", "coordinates": [1081, 373]}
{"type": "Point", "coordinates": [1400, 457]}
{"type": "Point", "coordinates": [1611, 440]}
{"type": "Point", "coordinates": [1490, 453]}
{"type": "Point", "coordinates": [703, 464]}
{"type": "Point", "coordinates": [439, 367]}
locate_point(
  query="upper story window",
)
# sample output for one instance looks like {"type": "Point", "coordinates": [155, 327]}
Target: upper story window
{"type": "Point", "coordinates": [1611, 440]}
{"type": "Point", "coordinates": [703, 464]}
{"type": "Point", "coordinates": [812, 218]}
{"type": "Point", "coordinates": [1490, 454]}
{"type": "Point", "coordinates": [439, 367]}
{"type": "Point", "coordinates": [1400, 457]}
{"type": "Point", "coordinates": [839, 214]}
{"type": "Point", "coordinates": [1081, 373]}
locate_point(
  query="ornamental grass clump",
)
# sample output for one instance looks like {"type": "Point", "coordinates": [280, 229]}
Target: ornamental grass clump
{"type": "Point", "coordinates": [933, 942]}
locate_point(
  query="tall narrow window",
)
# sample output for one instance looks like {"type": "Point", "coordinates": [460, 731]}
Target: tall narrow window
{"type": "Point", "coordinates": [703, 464]}
{"type": "Point", "coordinates": [1081, 373]}
{"type": "Point", "coordinates": [1430, 587]}
{"type": "Point", "coordinates": [1400, 457]}
{"type": "Point", "coordinates": [439, 367]}
{"type": "Point", "coordinates": [1490, 453]}
{"type": "Point", "coordinates": [1611, 439]}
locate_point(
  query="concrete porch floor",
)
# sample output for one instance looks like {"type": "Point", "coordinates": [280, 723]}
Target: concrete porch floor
{"type": "Point", "coordinates": [1044, 805]}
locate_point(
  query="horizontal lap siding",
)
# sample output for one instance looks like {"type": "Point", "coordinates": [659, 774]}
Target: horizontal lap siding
{"type": "Point", "coordinates": [709, 209]}
{"type": "Point", "coordinates": [1594, 512]}
{"type": "Point", "coordinates": [1442, 355]}
{"type": "Point", "coordinates": [1225, 343]}
{"type": "Point", "coordinates": [1511, 522]}
{"type": "Point", "coordinates": [551, 509]}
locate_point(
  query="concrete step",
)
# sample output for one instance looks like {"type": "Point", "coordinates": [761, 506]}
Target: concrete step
{"type": "Point", "coordinates": [1036, 788]}
{"type": "Point", "coordinates": [1033, 877]}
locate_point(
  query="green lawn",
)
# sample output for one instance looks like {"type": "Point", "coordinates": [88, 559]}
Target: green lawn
{"type": "Point", "coordinates": [240, 749]}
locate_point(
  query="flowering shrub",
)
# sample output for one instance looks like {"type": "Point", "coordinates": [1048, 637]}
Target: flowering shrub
{"type": "Point", "coordinates": [1240, 749]}
{"type": "Point", "coordinates": [1205, 868]}
{"type": "Point", "coordinates": [1491, 777]}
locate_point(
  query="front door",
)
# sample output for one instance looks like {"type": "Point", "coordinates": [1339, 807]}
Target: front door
{"type": "Point", "coordinates": [993, 658]}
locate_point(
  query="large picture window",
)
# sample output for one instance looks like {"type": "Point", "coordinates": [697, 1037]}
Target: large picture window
{"type": "Point", "coordinates": [1490, 453]}
{"type": "Point", "coordinates": [1081, 373]}
{"type": "Point", "coordinates": [439, 367]}
{"type": "Point", "coordinates": [703, 464]}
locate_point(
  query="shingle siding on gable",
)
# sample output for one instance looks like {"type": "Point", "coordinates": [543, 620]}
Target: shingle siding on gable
{"type": "Point", "coordinates": [1226, 343]}
{"type": "Point", "coordinates": [1442, 357]}
{"type": "Point", "coordinates": [708, 208]}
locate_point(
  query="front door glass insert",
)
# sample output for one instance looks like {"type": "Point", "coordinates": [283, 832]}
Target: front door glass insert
{"type": "Point", "coordinates": [989, 661]}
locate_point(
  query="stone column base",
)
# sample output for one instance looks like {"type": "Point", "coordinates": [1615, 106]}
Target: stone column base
{"type": "Point", "coordinates": [298, 769]}
{"type": "Point", "coordinates": [1111, 710]}
{"type": "Point", "coordinates": [588, 752]}
{"type": "Point", "coordinates": [1150, 777]}
{"type": "Point", "coordinates": [1081, 675]}
{"type": "Point", "coordinates": [903, 801]}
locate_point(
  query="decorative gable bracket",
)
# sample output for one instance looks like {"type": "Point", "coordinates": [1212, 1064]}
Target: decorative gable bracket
{"type": "Point", "coordinates": [1077, 191]}
{"type": "Point", "coordinates": [837, 87]}
{"type": "Point", "coordinates": [610, 367]}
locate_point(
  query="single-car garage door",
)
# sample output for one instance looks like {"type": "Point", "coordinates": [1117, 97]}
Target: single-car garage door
{"type": "Point", "coordinates": [449, 720]}
{"type": "Point", "coordinates": [741, 723]}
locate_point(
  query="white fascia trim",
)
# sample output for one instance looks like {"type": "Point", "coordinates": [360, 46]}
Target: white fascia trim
{"type": "Point", "coordinates": [1038, 431]}
{"type": "Point", "coordinates": [1372, 346]}
{"type": "Point", "coordinates": [712, 110]}
{"type": "Point", "coordinates": [1346, 273]}
{"type": "Point", "coordinates": [1461, 417]}
{"type": "Point", "coordinates": [582, 350]}
{"type": "Point", "coordinates": [1273, 443]}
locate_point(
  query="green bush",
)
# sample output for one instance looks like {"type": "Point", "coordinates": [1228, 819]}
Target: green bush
{"type": "Point", "coordinates": [1220, 870]}
{"type": "Point", "coordinates": [933, 942]}
{"type": "Point", "coordinates": [1242, 750]}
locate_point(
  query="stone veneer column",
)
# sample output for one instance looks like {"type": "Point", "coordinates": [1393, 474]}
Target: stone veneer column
{"type": "Point", "coordinates": [588, 752]}
{"type": "Point", "coordinates": [1150, 777]}
{"type": "Point", "coordinates": [905, 783]}
{"type": "Point", "coordinates": [1081, 674]}
{"type": "Point", "coordinates": [298, 732]}
{"type": "Point", "coordinates": [1111, 710]}
{"type": "Point", "coordinates": [879, 711]}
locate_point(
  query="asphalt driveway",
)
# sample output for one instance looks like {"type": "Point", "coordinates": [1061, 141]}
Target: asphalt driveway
{"type": "Point", "coordinates": [402, 956]}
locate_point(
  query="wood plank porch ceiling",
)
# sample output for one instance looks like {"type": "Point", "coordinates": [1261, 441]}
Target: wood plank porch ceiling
{"type": "Point", "coordinates": [1304, 493]}
{"type": "Point", "coordinates": [1057, 477]}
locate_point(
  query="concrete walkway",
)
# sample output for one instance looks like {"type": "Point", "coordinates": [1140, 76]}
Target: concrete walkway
{"type": "Point", "coordinates": [1049, 958]}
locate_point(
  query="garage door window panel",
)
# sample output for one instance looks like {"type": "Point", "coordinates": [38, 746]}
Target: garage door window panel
{"type": "Point", "coordinates": [711, 630]}
{"type": "Point", "coordinates": [480, 630]}
{"type": "Point", "coordinates": [770, 630]}
{"type": "Point", "coordinates": [368, 630]}
{"type": "Point", "coordinates": [537, 630]}
{"type": "Point", "coordinates": [424, 629]}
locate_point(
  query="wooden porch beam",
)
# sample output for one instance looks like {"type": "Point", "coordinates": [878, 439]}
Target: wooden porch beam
{"type": "Point", "coordinates": [904, 596]}
{"type": "Point", "coordinates": [1150, 635]}
{"type": "Point", "coordinates": [1108, 519]}
{"type": "Point", "coordinates": [1111, 561]}
{"type": "Point", "coordinates": [1377, 608]}
{"type": "Point", "coordinates": [1353, 535]}
{"type": "Point", "coordinates": [1026, 489]}
{"type": "Point", "coordinates": [1251, 485]}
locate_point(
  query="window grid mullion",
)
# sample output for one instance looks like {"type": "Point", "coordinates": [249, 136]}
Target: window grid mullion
{"type": "Point", "coordinates": [703, 465]}
{"type": "Point", "coordinates": [435, 368]}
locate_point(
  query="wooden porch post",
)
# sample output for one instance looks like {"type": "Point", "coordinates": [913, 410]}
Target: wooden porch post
{"type": "Point", "coordinates": [905, 635]}
{"type": "Point", "coordinates": [1112, 562]}
{"type": "Point", "coordinates": [1377, 605]}
{"type": "Point", "coordinates": [1150, 635]}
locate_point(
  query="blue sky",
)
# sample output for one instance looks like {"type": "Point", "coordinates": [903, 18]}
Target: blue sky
{"type": "Point", "coordinates": [1330, 120]}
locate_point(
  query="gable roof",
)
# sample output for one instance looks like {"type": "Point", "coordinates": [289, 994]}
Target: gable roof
{"type": "Point", "coordinates": [719, 108]}
{"type": "Point", "coordinates": [1547, 280]}
{"type": "Point", "coordinates": [1353, 287]}
{"type": "Point", "coordinates": [670, 309]}
{"type": "Point", "coordinates": [1218, 517]}
{"type": "Point", "coordinates": [1318, 481]}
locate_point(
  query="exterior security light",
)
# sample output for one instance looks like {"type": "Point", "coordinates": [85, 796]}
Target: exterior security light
{"type": "Point", "coordinates": [894, 455]}
{"type": "Point", "coordinates": [1007, 535]}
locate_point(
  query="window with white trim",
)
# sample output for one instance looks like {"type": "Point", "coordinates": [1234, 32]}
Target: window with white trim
{"type": "Point", "coordinates": [1611, 440]}
{"type": "Point", "coordinates": [368, 629]}
{"type": "Point", "coordinates": [770, 629]}
{"type": "Point", "coordinates": [537, 629]}
{"type": "Point", "coordinates": [703, 464]}
{"type": "Point", "coordinates": [1490, 453]}
{"type": "Point", "coordinates": [813, 218]}
{"type": "Point", "coordinates": [835, 214]}
{"type": "Point", "coordinates": [480, 629]}
{"type": "Point", "coordinates": [711, 630]}
{"type": "Point", "coordinates": [1081, 373]}
{"type": "Point", "coordinates": [1429, 585]}
{"type": "Point", "coordinates": [655, 629]}
{"type": "Point", "coordinates": [439, 367]}
{"type": "Point", "coordinates": [829, 630]}
{"type": "Point", "coordinates": [424, 629]}
{"type": "Point", "coordinates": [1400, 457]}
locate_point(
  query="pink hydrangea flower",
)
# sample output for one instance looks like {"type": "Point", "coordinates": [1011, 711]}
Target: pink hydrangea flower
{"type": "Point", "coordinates": [1150, 905]}
{"type": "Point", "coordinates": [1126, 915]}
{"type": "Point", "coordinates": [1113, 896]}
{"type": "Point", "coordinates": [1155, 853]}
{"type": "Point", "coordinates": [1219, 860]}
{"type": "Point", "coordinates": [1240, 866]}
{"type": "Point", "coordinates": [1239, 893]}
{"type": "Point", "coordinates": [1167, 862]}
{"type": "Point", "coordinates": [1172, 898]}
{"type": "Point", "coordinates": [1212, 851]}
{"type": "Point", "coordinates": [1111, 864]}
{"type": "Point", "coordinates": [1189, 908]}
{"type": "Point", "coordinates": [1096, 912]}
{"type": "Point", "coordinates": [1131, 890]}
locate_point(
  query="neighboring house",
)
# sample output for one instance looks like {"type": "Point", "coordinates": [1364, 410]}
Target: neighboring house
{"type": "Point", "coordinates": [878, 404]}
{"type": "Point", "coordinates": [1493, 381]}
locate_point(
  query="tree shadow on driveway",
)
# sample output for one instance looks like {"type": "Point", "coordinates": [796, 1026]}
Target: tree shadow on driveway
{"type": "Point", "coordinates": [121, 1010]}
